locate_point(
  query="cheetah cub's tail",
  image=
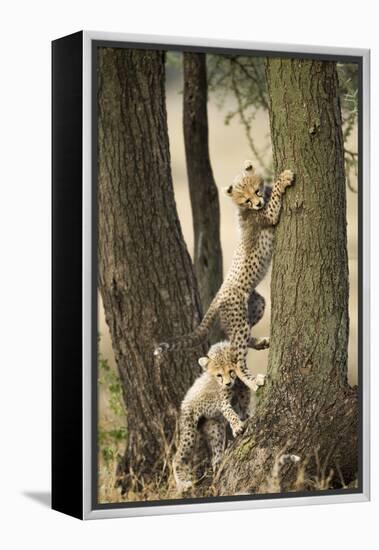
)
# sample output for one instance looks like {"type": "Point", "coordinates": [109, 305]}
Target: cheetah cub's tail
{"type": "Point", "coordinates": [193, 339]}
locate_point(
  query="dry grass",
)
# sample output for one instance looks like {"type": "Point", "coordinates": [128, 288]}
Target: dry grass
{"type": "Point", "coordinates": [162, 486]}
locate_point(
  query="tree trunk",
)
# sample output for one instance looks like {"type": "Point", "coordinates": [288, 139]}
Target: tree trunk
{"type": "Point", "coordinates": [146, 276]}
{"type": "Point", "coordinates": [307, 407]}
{"type": "Point", "coordinates": [203, 189]}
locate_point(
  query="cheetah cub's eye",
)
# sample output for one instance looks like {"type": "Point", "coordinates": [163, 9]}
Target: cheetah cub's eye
{"type": "Point", "coordinates": [248, 202]}
{"type": "Point", "coordinates": [219, 376]}
{"type": "Point", "coordinates": [259, 193]}
{"type": "Point", "coordinates": [232, 374]}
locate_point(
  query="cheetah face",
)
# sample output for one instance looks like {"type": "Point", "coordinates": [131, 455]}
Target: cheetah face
{"type": "Point", "coordinates": [226, 379]}
{"type": "Point", "coordinates": [224, 374]}
{"type": "Point", "coordinates": [247, 190]}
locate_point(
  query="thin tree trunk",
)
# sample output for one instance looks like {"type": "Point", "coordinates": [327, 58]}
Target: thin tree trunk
{"type": "Point", "coordinates": [307, 407]}
{"type": "Point", "coordinates": [203, 189]}
{"type": "Point", "coordinates": [146, 276]}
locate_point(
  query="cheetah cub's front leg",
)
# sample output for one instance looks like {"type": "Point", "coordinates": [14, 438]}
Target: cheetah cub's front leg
{"type": "Point", "coordinates": [272, 209]}
{"type": "Point", "coordinates": [237, 425]}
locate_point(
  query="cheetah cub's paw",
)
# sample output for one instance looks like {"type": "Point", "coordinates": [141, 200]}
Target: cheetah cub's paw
{"type": "Point", "coordinates": [183, 486]}
{"type": "Point", "coordinates": [239, 428]}
{"type": "Point", "coordinates": [286, 179]}
{"type": "Point", "coordinates": [259, 380]}
{"type": "Point", "coordinates": [182, 478]}
{"type": "Point", "coordinates": [260, 343]}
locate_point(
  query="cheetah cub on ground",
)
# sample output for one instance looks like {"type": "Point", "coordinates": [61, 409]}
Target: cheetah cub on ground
{"type": "Point", "coordinates": [215, 394]}
{"type": "Point", "coordinates": [237, 304]}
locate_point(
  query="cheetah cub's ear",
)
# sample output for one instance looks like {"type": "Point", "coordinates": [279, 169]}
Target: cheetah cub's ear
{"type": "Point", "coordinates": [228, 190]}
{"type": "Point", "coordinates": [248, 167]}
{"type": "Point", "coordinates": [203, 362]}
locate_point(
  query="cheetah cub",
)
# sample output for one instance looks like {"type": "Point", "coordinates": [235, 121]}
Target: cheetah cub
{"type": "Point", "coordinates": [237, 304]}
{"type": "Point", "coordinates": [215, 394]}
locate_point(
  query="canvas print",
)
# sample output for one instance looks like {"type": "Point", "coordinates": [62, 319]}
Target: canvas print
{"type": "Point", "coordinates": [228, 246]}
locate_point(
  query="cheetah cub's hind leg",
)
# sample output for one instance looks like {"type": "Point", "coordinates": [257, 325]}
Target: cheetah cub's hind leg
{"type": "Point", "coordinates": [243, 371]}
{"type": "Point", "coordinates": [239, 345]}
{"type": "Point", "coordinates": [182, 459]}
{"type": "Point", "coordinates": [234, 319]}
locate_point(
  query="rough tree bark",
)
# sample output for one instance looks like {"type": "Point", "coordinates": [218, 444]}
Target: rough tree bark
{"type": "Point", "coordinates": [307, 407]}
{"type": "Point", "coordinates": [202, 186]}
{"type": "Point", "coordinates": [146, 276]}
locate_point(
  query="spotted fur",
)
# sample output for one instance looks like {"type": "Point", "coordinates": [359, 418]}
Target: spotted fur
{"type": "Point", "coordinates": [237, 304]}
{"type": "Point", "coordinates": [215, 395]}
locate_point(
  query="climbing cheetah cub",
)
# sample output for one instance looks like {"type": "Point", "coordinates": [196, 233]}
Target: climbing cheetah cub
{"type": "Point", "coordinates": [237, 304]}
{"type": "Point", "coordinates": [216, 393]}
